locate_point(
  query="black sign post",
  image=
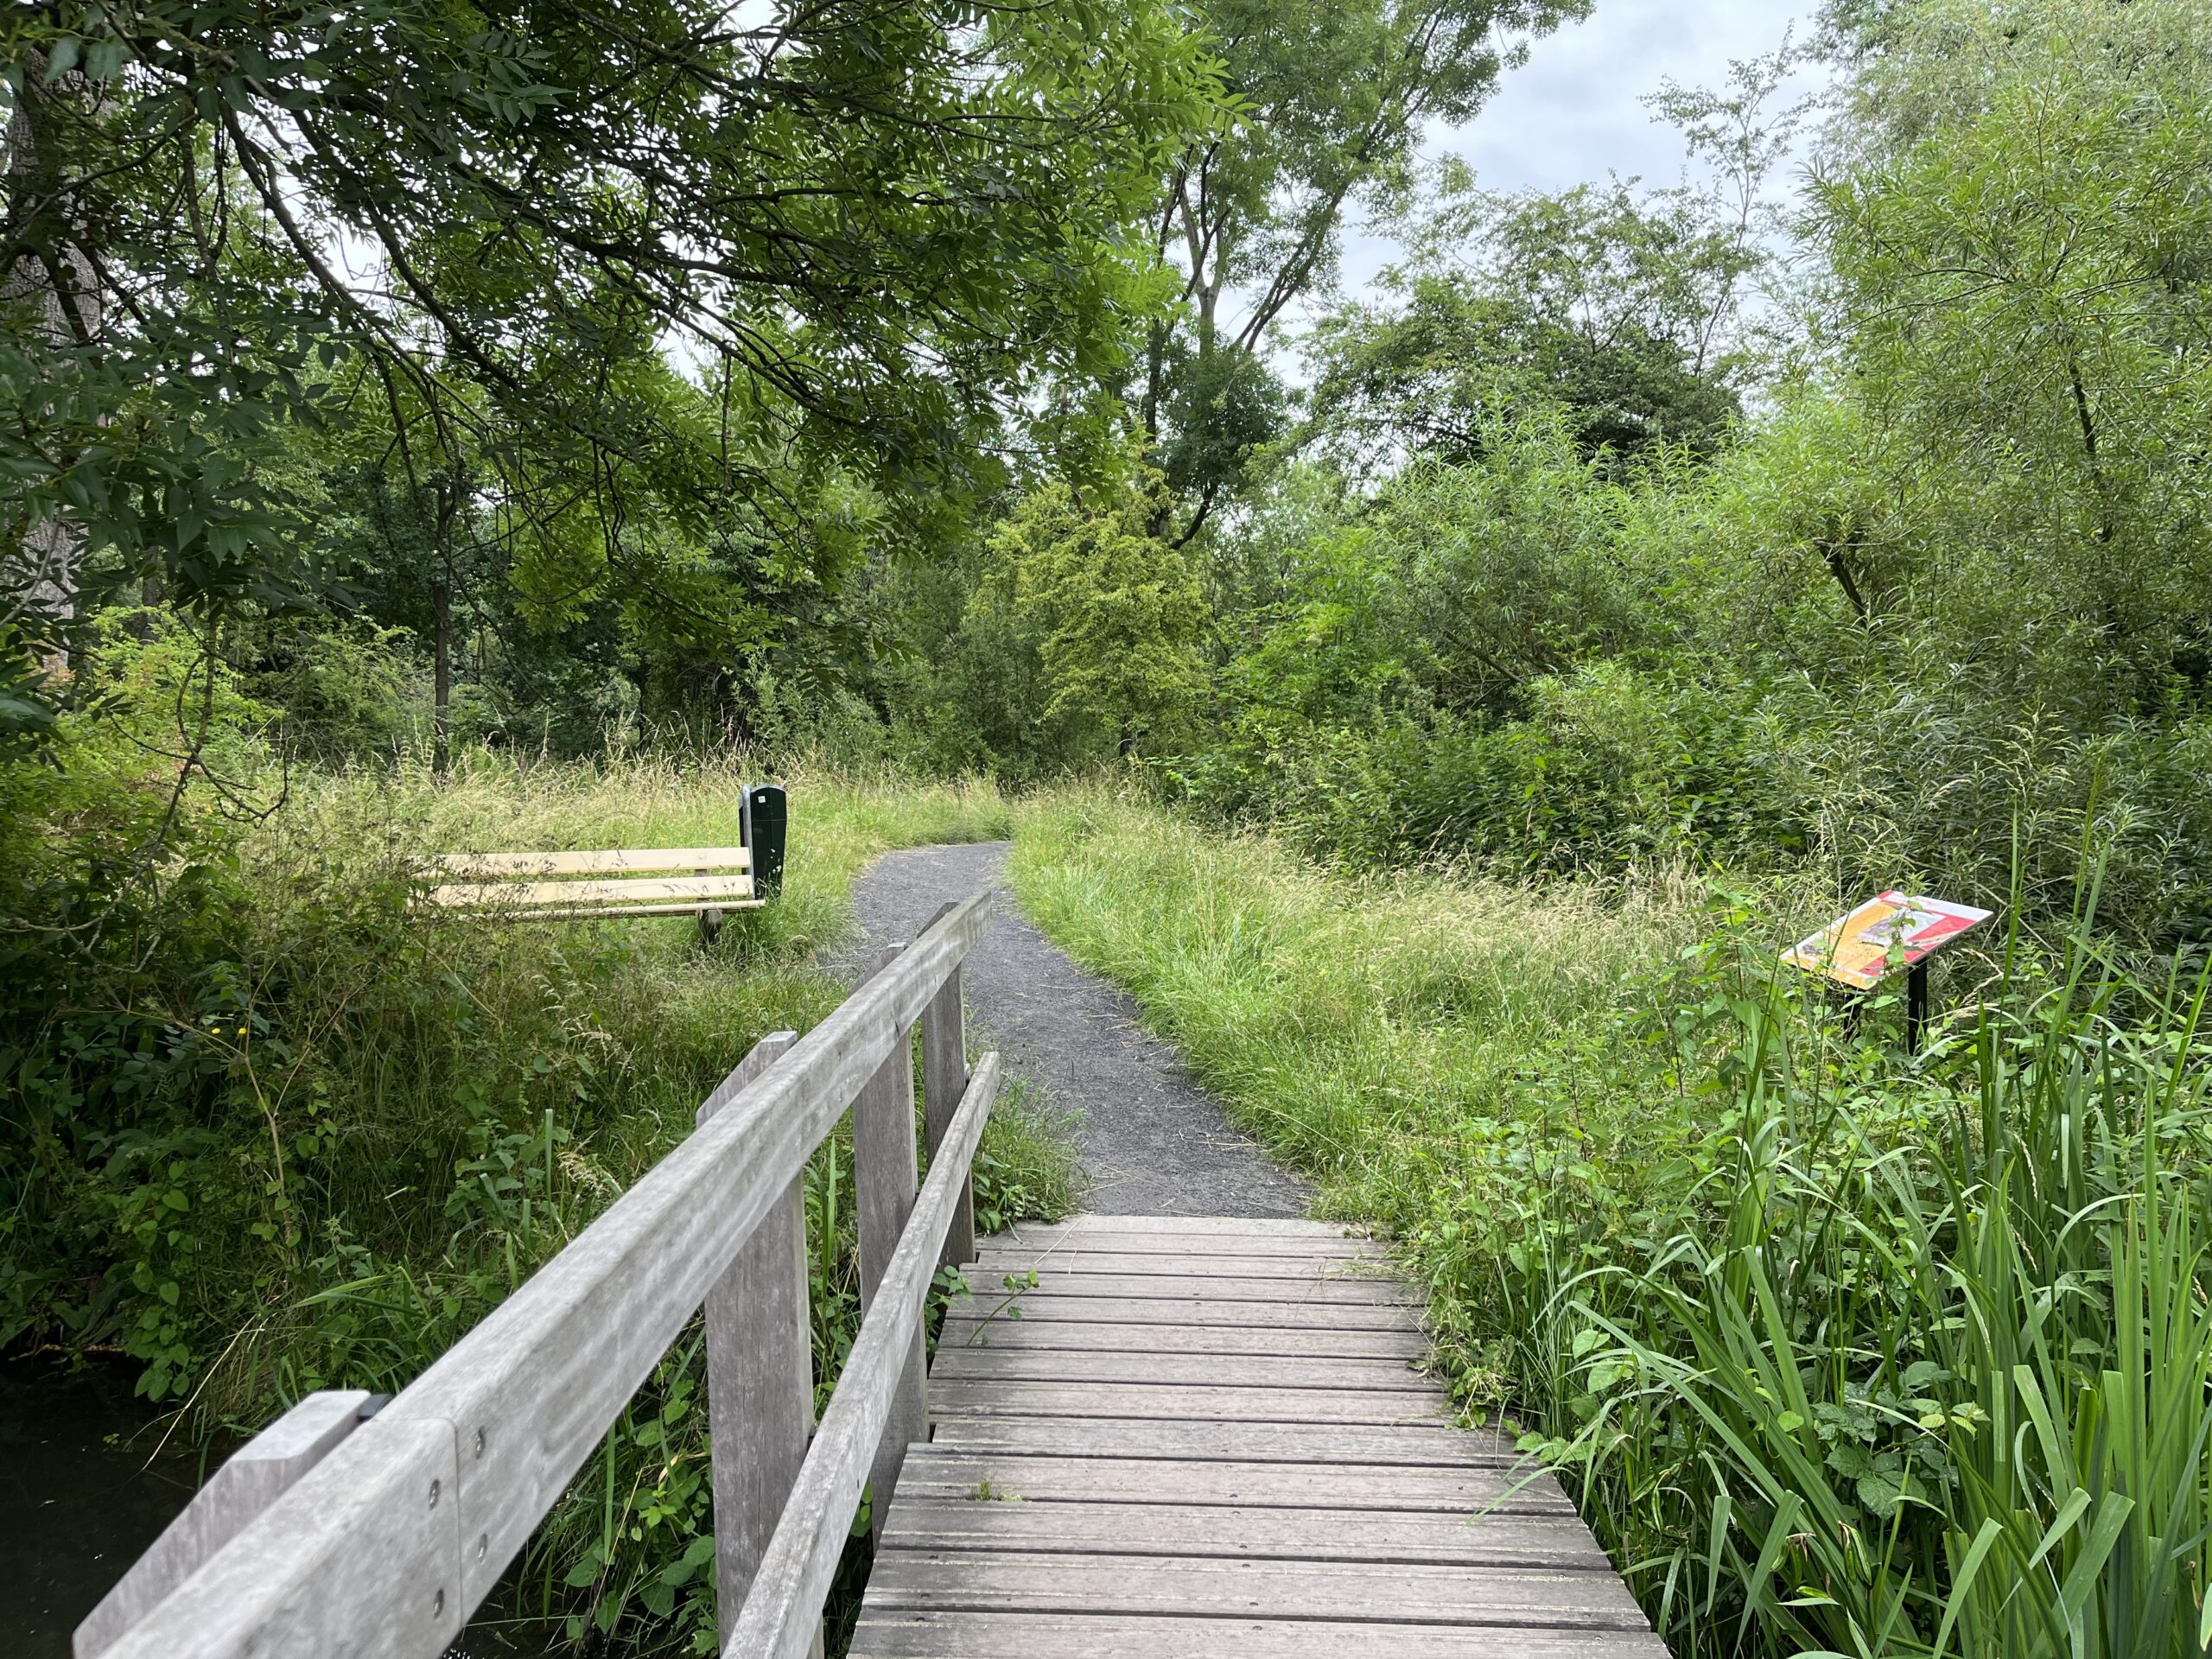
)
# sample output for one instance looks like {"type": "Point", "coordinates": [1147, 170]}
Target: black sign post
{"type": "Point", "coordinates": [760, 818]}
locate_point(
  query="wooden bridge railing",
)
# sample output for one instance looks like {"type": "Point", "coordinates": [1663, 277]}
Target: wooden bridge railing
{"type": "Point", "coordinates": [343, 1531]}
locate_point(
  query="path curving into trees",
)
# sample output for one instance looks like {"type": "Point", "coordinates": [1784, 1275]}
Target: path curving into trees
{"type": "Point", "coordinates": [1152, 1142]}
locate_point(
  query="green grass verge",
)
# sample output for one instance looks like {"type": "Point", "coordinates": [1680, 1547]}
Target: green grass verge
{"type": "Point", "coordinates": [1843, 1351]}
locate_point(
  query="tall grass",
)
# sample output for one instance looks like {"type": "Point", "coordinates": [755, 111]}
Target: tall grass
{"type": "Point", "coordinates": [416, 1080]}
{"type": "Point", "coordinates": [267, 1133]}
{"type": "Point", "coordinates": [1935, 1379]}
{"type": "Point", "coordinates": [1843, 1351]}
{"type": "Point", "coordinates": [1344, 1020]}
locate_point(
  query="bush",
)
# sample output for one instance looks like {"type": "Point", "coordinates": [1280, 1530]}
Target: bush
{"type": "Point", "coordinates": [265, 1133]}
{"type": "Point", "coordinates": [1613, 771]}
{"type": "Point", "coordinates": [347, 694]}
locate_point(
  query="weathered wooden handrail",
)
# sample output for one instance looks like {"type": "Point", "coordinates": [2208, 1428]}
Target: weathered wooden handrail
{"type": "Point", "coordinates": [785, 1604]}
{"type": "Point", "coordinates": [388, 1542]}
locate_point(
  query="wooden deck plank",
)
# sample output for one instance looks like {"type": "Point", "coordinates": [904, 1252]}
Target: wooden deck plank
{"type": "Point", "coordinates": [1211, 1226]}
{"type": "Point", "coordinates": [1433, 1446]}
{"type": "Point", "coordinates": [1291, 1485]}
{"type": "Point", "coordinates": [921, 1521]}
{"type": "Point", "coordinates": [904, 1635]}
{"type": "Point", "coordinates": [1324, 1342]}
{"type": "Point", "coordinates": [1209, 1437]}
{"type": "Point", "coordinates": [1189, 1244]}
{"type": "Point", "coordinates": [1185, 1309]}
{"type": "Point", "coordinates": [965, 1397]}
{"type": "Point", "coordinates": [1010, 1364]}
{"type": "Point", "coordinates": [1197, 1262]}
{"type": "Point", "coordinates": [1306, 1289]}
{"type": "Point", "coordinates": [1217, 1586]}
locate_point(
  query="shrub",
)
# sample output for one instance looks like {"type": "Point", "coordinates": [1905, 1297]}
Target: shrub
{"type": "Point", "coordinates": [265, 1134]}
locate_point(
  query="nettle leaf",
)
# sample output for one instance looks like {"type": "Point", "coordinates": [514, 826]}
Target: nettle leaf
{"type": "Point", "coordinates": [688, 1565]}
{"type": "Point", "coordinates": [586, 1568]}
{"type": "Point", "coordinates": [1852, 1462]}
{"type": "Point", "coordinates": [1923, 1373]}
{"type": "Point", "coordinates": [1881, 1494]}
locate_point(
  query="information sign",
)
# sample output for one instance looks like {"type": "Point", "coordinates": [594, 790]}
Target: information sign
{"type": "Point", "coordinates": [1890, 929]}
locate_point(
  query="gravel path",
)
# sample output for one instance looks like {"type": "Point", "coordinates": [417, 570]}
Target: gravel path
{"type": "Point", "coordinates": [1152, 1143]}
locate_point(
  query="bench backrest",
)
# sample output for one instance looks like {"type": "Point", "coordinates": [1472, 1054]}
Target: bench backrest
{"type": "Point", "coordinates": [540, 885]}
{"type": "Point", "coordinates": [495, 866]}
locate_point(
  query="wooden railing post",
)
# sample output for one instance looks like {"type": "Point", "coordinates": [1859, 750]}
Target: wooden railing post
{"type": "Point", "coordinates": [785, 1606]}
{"type": "Point", "coordinates": [389, 1543]}
{"type": "Point", "coordinates": [944, 1079]}
{"type": "Point", "coordinates": [886, 1177]}
{"type": "Point", "coordinates": [759, 1368]}
{"type": "Point", "coordinates": [256, 1475]}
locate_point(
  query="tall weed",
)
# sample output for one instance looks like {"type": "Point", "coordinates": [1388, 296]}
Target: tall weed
{"type": "Point", "coordinates": [1843, 1350]}
{"type": "Point", "coordinates": [264, 1133]}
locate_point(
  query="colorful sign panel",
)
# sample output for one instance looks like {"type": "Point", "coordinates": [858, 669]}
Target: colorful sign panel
{"type": "Point", "coordinates": [1890, 929]}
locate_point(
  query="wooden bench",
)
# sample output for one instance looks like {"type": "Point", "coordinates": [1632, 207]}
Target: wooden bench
{"type": "Point", "coordinates": [552, 886]}
{"type": "Point", "coordinates": [701, 881]}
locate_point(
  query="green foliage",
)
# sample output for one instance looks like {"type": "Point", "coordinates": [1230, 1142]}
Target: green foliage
{"type": "Point", "coordinates": [1329, 103]}
{"type": "Point", "coordinates": [1470, 664]}
{"type": "Point", "coordinates": [348, 693]}
{"type": "Point", "coordinates": [1935, 614]}
{"type": "Point", "coordinates": [864, 224]}
{"type": "Point", "coordinates": [2016, 254]}
{"type": "Point", "coordinates": [1218, 410]}
{"type": "Point", "coordinates": [1590, 302]}
{"type": "Point", "coordinates": [1116, 615]}
{"type": "Point", "coordinates": [1945, 1342]}
{"type": "Point", "coordinates": [263, 1133]}
{"type": "Point", "coordinates": [1071, 636]}
{"type": "Point", "coordinates": [1845, 1350]}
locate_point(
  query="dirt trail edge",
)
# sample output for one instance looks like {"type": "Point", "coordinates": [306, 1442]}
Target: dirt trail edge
{"type": "Point", "coordinates": [1152, 1143]}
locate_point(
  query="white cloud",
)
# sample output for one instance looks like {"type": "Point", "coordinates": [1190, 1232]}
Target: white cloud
{"type": "Point", "coordinates": [1574, 112]}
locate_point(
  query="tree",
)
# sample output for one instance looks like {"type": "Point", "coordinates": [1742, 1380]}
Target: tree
{"type": "Point", "coordinates": [1625, 306]}
{"type": "Point", "coordinates": [2012, 206]}
{"type": "Point", "coordinates": [50, 292]}
{"type": "Point", "coordinates": [1332, 96]}
{"type": "Point", "coordinates": [1116, 619]}
{"type": "Point", "coordinates": [1592, 300]}
{"type": "Point", "coordinates": [875, 222]}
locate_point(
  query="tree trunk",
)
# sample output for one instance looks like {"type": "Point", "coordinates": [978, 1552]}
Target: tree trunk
{"type": "Point", "coordinates": [1155, 371]}
{"type": "Point", "coordinates": [451, 492]}
{"type": "Point", "coordinates": [150, 596]}
{"type": "Point", "coordinates": [63, 287]}
{"type": "Point", "coordinates": [440, 676]}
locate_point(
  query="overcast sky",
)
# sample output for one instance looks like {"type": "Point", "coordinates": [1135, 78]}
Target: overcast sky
{"type": "Point", "coordinates": [1572, 113]}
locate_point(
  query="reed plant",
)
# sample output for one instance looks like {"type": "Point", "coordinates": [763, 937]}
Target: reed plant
{"type": "Point", "coordinates": [1937, 1375]}
{"type": "Point", "coordinates": [1842, 1349]}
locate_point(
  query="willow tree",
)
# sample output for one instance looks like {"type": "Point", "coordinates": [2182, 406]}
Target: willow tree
{"type": "Point", "coordinates": [2013, 204]}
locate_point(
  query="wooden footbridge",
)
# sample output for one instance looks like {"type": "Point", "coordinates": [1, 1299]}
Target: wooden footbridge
{"type": "Point", "coordinates": [1158, 1438]}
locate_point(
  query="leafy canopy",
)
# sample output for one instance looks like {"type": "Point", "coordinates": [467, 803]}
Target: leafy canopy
{"type": "Point", "coordinates": [868, 225]}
